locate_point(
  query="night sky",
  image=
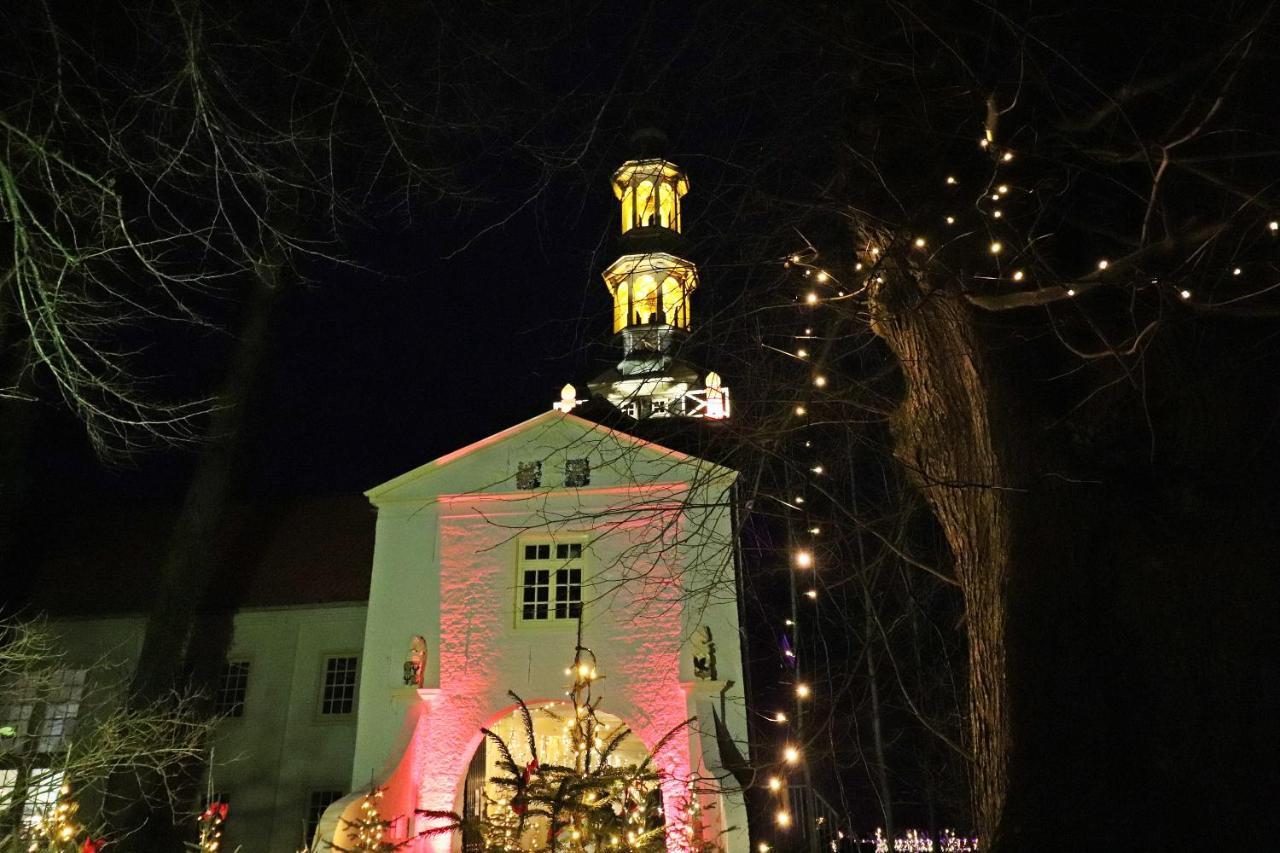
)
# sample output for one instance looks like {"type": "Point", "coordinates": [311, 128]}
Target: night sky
{"type": "Point", "coordinates": [454, 317]}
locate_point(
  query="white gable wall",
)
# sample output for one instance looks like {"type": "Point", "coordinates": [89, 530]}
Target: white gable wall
{"type": "Point", "coordinates": [658, 563]}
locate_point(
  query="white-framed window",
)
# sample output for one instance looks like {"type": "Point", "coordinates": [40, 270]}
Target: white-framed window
{"type": "Point", "coordinates": [39, 787]}
{"type": "Point", "coordinates": [338, 691]}
{"type": "Point", "coordinates": [232, 689]}
{"type": "Point", "coordinates": [549, 580]}
{"type": "Point", "coordinates": [42, 711]}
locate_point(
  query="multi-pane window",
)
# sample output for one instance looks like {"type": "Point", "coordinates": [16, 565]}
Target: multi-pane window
{"type": "Point", "coordinates": [316, 804]}
{"type": "Point", "coordinates": [550, 581]}
{"type": "Point", "coordinates": [38, 715]}
{"type": "Point", "coordinates": [41, 711]}
{"type": "Point", "coordinates": [39, 788]}
{"type": "Point", "coordinates": [233, 686]}
{"type": "Point", "coordinates": [339, 695]}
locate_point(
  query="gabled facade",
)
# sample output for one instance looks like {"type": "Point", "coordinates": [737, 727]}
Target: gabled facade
{"type": "Point", "coordinates": [496, 556]}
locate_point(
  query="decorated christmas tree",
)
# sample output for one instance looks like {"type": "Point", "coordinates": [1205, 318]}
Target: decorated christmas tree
{"type": "Point", "coordinates": [210, 827]}
{"type": "Point", "coordinates": [591, 800]}
{"type": "Point", "coordinates": [370, 831]}
{"type": "Point", "coordinates": [57, 830]}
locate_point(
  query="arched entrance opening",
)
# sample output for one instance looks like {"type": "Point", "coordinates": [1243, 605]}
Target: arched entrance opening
{"type": "Point", "coordinates": [617, 798]}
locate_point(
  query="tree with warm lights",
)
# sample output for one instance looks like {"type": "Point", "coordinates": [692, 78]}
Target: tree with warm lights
{"type": "Point", "coordinates": [1026, 345]}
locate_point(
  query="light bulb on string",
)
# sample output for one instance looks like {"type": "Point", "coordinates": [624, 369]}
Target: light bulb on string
{"type": "Point", "coordinates": [812, 594]}
{"type": "Point", "coordinates": [811, 297]}
{"type": "Point", "coordinates": [804, 559]}
{"type": "Point", "coordinates": [997, 214]}
{"type": "Point", "coordinates": [1017, 275]}
{"type": "Point", "coordinates": [783, 818]}
{"type": "Point", "coordinates": [820, 381]}
{"type": "Point", "coordinates": [803, 691]}
{"type": "Point", "coordinates": [1237, 271]}
{"type": "Point", "coordinates": [1186, 294]}
{"type": "Point", "coordinates": [1002, 189]}
{"type": "Point", "coordinates": [822, 276]}
{"type": "Point", "coordinates": [1273, 226]}
{"type": "Point", "coordinates": [817, 469]}
{"type": "Point", "coordinates": [802, 353]}
{"type": "Point", "coordinates": [919, 243]}
{"type": "Point", "coordinates": [1071, 291]}
{"type": "Point", "coordinates": [951, 180]}
{"type": "Point", "coordinates": [779, 717]}
{"type": "Point", "coordinates": [814, 531]}
{"type": "Point", "coordinates": [775, 784]}
{"type": "Point", "coordinates": [996, 247]}
{"type": "Point", "coordinates": [1007, 156]}
{"type": "Point", "coordinates": [800, 411]}
{"type": "Point", "coordinates": [1103, 264]}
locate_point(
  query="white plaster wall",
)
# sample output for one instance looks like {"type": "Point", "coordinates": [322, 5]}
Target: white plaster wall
{"type": "Point", "coordinates": [269, 760]}
{"type": "Point", "coordinates": [658, 564]}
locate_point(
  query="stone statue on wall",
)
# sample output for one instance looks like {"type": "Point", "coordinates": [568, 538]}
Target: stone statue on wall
{"type": "Point", "coordinates": [704, 654]}
{"type": "Point", "coordinates": [415, 665]}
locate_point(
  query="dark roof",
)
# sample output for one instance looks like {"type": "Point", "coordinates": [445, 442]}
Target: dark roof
{"type": "Point", "coordinates": [304, 551]}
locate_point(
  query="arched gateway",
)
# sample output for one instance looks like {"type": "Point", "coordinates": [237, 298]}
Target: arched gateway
{"type": "Point", "coordinates": [485, 563]}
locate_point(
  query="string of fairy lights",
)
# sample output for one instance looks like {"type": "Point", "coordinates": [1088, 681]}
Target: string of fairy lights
{"type": "Point", "coordinates": [1012, 260]}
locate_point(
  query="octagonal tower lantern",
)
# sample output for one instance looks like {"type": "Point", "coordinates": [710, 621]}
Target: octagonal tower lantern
{"type": "Point", "coordinates": [651, 285]}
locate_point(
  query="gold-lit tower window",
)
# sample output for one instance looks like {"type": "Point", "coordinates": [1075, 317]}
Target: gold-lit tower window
{"type": "Point", "coordinates": [650, 192]}
{"type": "Point", "coordinates": [651, 289]}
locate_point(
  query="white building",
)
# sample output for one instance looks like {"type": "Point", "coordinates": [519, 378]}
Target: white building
{"type": "Point", "coordinates": [492, 554]}
{"type": "Point", "coordinates": [498, 554]}
{"type": "Point", "coordinates": [300, 579]}
{"type": "Point", "coordinates": [493, 558]}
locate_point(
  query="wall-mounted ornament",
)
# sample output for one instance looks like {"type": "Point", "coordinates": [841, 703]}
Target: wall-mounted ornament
{"type": "Point", "coordinates": [415, 664]}
{"type": "Point", "coordinates": [704, 654]}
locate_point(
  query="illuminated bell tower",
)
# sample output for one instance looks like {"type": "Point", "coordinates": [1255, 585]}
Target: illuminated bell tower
{"type": "Point", "coordinates": [652, 285]}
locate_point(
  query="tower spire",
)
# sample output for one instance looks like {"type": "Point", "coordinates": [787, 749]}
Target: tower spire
{"type": "Point", "coordinates": [652, 284]}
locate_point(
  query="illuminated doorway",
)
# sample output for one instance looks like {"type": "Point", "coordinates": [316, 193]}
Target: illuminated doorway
{"type": "Point", "coordinates": [489, 807]}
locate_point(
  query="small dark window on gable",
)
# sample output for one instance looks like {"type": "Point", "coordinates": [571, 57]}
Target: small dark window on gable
{"type": "Point", "coordinates": [528, 475]}
{"type": "Point", "coordinates": [577, 472]}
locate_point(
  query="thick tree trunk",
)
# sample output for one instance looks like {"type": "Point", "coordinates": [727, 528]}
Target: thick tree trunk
{"type": "Point", "coordinates": [174, 653]}
{"type": "Point", "coordinates": [949, 433]}
{"type": "Point", "coordinates": [191, 558]}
